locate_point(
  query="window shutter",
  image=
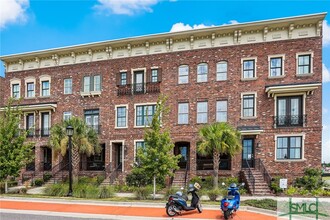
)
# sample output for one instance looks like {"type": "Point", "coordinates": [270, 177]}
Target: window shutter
{"type": "Point", "coordinates": [118, 79]}
{"type": "Point", "coordinates": [91, 83]}
{"type": "Point", "coordinates": [149, 75]}
{"type": "Point", "coordinates": [128, 77]}
{"type": "Point", "coordinates": [159, 74]}
{"type": "Point", "coordinates": [82, 84]}
{"type": "Point", "coordinates": [100, 82]}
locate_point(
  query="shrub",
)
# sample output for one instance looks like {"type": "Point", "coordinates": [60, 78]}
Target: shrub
{"type": "Point", "coordinates": [291, 191]}
{"type": "Point", "coordinates": [100, 179]}
{"type": "Point", "coordinates": [275, 185]}
{"type": "Point", "coordinates": [124, 188]}
{"type": "Point", "coordinates": [57, 190]}
{"type": "Point", "coordinates": [38, 182]}
{"type": "Point", "coordinates": [92, 192]}
{"type": "Point", "coordinates": [142, 192]}
{"type": "Point", "coordinates": [269, 204]}
{"type": "Point", "coordinates": [47, 176]}
{"type": "Point", "coordinates": [213, 194]}
{"type": "Point", "coordinates": [303, 192]}
{"type": "Point", "coordinates": [138, 178]}
{"type": "Point", "coordinates": [317, 192]}
{"type": "Point", "coordinates": [106, 192]}
{"type": "Point", "coordinates": [23, 191]}
{"type": "Point", "coordinates": [171, 191]}
{"type": "Point", "coordinates": [311, 180]}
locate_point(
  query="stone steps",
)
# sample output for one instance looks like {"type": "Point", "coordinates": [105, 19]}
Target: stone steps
{"type": "Point", "coordinates": [261, 187]}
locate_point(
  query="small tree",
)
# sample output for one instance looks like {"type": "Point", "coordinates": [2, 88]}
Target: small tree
{"type": "Point", "coordinates": [84, 141]}
{"type": "Point", "coordinates": [216, 139]}
{"type": "Point", "coordinates": [15, 152]}
{"type": "Point", "coordinates": [156, 158]}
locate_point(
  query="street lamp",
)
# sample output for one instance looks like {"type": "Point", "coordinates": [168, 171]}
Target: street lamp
{"type": "Point", "coordinates": [69, 132]}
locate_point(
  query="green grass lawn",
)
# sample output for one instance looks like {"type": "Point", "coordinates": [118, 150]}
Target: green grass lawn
{"type": "Point", "coordinates": [326, 178]}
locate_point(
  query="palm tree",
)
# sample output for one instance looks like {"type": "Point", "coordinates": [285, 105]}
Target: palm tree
{"type": "Point", "coordinates": [84, 141]}
{"type": "Point", "coordinates": [216, 139]}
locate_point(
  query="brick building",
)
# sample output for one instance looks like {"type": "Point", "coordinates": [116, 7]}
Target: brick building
{"type": "Point", "coordinates": [264, 78]}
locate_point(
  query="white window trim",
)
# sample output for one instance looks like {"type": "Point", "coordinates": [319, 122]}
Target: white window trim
{"type": "Point", "coordinates": [255, 104]}
{"type": "Point", "coordinates": [137, 140]}
{"type": "Point", "coordinates": [144, 77]}
{"type": "Point", "coordinates": [13, 82]}
{"type": "Point", "coordinates": [302, 147]}
{"type": "Point", "coordinates": [207, 73]}
{"type": "Point", "coordinates": [187, 113]}
{"type": "Point", "coordinates": [141, 104]}
{"type": "Point", "coordinates": [207, 105]}
{"type": "Point", "coordinates": [283, 67]}
{"type": "Point", "coordinates": [71, 86]}
{"type": "Point", "coordinates": [40, 119]}
{"type": "Point", "coordinates": [116, 126]}
{"type": "Point", "coordinates": [123, 152]}
{"type": "Point", "coordinates": [303, 94]}
{"type": "Point", "coordinates": [311, 53]}
{"type": "Point", "coordinates": [44, 78]}
{"type": "Point", "coordinates": [30, 80]}
{"type": "Point", "coordinates": [255, 68]}
{"type": "Point", "coordinates": [70, 114]}
{"type": "Point", "coordinates": [184, 65]}
{"type": "Point", "coordinates": [216, 112]}
{"type": "Point", "coordinates": [216, 67]}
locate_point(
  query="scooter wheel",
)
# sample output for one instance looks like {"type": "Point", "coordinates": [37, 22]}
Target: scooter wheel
{"type": "Point", "coordinates": [199, 208]}
{"type": "Point", "coordinates": [170, 210]}
{"type": "Point", "coordinates": [226, 214]}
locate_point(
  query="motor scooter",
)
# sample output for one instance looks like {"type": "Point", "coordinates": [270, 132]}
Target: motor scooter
{"type": "Point", "coordinates": [177, 203]}
{"type": "Point", "coordinates": [230, 203]}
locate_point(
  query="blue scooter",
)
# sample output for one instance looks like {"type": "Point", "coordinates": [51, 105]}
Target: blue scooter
{"type": "Point", "coordinates": [230, 203]}
{"type": "Point", "coordinates": [178, 203]}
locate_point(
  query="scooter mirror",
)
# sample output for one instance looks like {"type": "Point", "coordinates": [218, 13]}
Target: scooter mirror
{"type": "Point", "coordinates": [243, 184]}
{"type": "Point", "coordinates": [182, 188]}
{"type": "Point", "coordinates": [223, 183]}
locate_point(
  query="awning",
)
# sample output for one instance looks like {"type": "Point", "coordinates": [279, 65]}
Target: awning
{"type": "Point", "coordinates": [307, 88]}
{"type": "Point", "coordinates": [35, 107]}
{"type": "Point", "coordinates": [249, 130]}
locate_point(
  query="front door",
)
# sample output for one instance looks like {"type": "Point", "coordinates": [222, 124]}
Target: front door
{"type": "Point", "coordinates": [248, 152]}
{"type": "Point", "coordinates": [183, 150]}
{"type": "Point", "coordinates": [119, 157]}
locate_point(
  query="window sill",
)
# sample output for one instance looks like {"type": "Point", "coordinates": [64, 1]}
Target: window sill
{"type": "Point", "coordinates": [29, 97]}
{"type": "Point", "coordinates": [121, 128]}
{"type": "Point", "coordinates": [289, 160]}
{"type": "Point", "coordinates": [276, 77]}
{"type": "Point", "coordinates": [88, 94]}
{"type": "Point", "coordinates": [304, 75]}
{"type": "Point", "coordinates": [182, 124]}
{"type": "Point", "coordinates": [222, 80]}
{"type": "Point", "coordinates": [249, 79]}
{"type": "Point", "coordinates": [44, 97]}
{"type": "Point", "coordinates": [201, 82]}
{"type": "Point", "coordinates": [255, 117]}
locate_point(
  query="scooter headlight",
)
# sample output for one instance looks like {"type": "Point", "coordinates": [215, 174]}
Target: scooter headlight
{"type": "Point", "coordinates": [226, 204]}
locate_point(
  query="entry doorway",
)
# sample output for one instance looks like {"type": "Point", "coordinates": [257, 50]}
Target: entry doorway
{"type": "Point", "coordinates": [183, 149]}
{"type": "Point", "coordinates": [117, 156]}
{"type": "Point", "coordinates": [248, 152]}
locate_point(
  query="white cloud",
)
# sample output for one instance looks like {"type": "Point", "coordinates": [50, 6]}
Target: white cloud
{"type": "Point", "coordinates": [13, 11]}
{"type": "Point", "coordinates": [325, 73]}
{"type": "Point", "coordinates": [231, 22]}
{"type": "Point", "coordinates": [325, 110]}
{"type": "Point", "coordinates": [184, 27]}
{"type": "Point", "coordinates": [326, 33]}
{"type": "Point", "coordinates": [125, 7]}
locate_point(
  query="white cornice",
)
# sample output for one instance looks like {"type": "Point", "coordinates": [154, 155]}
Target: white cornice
{"type": "Point", "coordinates": [225, 35]}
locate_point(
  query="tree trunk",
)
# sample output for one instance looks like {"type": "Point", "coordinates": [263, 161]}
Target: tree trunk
{"type": "Point", "coordinates": [216, 161]}
{"type": "Point", "coordinates": [75, 164]}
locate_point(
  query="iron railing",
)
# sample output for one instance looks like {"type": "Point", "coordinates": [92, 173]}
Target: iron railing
{"type": "Point", "coordinates": [60, 168]}
{"type": "Point", "coordinates": [92, 165]}
{"type": "Point", "coordinates": [259, 165]}
{"type": "Point", "coordinates": [250, 177]}
{"type": "Point", "coordinates": [30, 133]}
{"type": "Point", "coordinates": [138, 88]}
{"type": "Point", "coordinates": [207, 164]}
{"type": "Point", "coordinates": [114, 173]}
{"type": "Point", "coordinates": [290, 120]}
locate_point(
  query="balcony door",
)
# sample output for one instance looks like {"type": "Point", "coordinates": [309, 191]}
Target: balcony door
{"type": "Point", "coordinates": [139, 82]}
{"type": "Point", "coordinates": [289, 111]}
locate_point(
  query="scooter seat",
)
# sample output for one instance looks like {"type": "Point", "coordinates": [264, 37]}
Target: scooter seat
{"type": "Point", "coordinates": [229, 197]}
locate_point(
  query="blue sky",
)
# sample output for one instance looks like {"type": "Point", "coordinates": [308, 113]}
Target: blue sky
{"type": "Point", "coordinates": [29, 25]}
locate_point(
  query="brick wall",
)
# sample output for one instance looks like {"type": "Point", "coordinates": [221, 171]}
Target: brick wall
{"type": "Point", "coordinates": [193, 92]}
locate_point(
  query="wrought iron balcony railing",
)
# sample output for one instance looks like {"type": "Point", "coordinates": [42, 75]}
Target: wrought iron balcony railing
{"type": "Point", "coordinates": [38, 132]}
{"type": "Point", "coordinates": [290, 120]}
{"type": "Point", "coordinates": [139, 88]}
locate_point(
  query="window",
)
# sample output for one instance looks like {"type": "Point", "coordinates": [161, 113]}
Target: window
{"type": "Point", "coordinates": [183, 74]}
{"type": "Point", "coordinates": [92, 84]}
{"type": "Point", "coordinates": [222, 71]}
{"type": "Point", "coordinates": [45, 88]}
{"type": "Point", "coordinates": [304, 64]}
{"type": "Point", "coordinates": [183, 113]}
{"type": "Point", "coordinates": [202, 112]}
{"type": "Point", "coordinates": [289, 111]}
{"type": "Point", "coordinates": [249, 106]}
{"type": "Point", "coordinates": [67, 115]}
{"type": "Point", "coordinates": [123, 78]}
{"type": "Point", "coordinates": [289, 148]}
{"type": "Point", "coordinates": [138, 145]}
{"type": "Point", "coordinates": [67, 86]}
{"type": "Point", "coordinates": [30, 89]}
{"type": "Point", "coordinates": [144, 114]}
{"type": "Point", "coordinates": [138, 82]}
{"type": "Point", "coordinates": [249, 71]}
{"type": "Point", "coordinates": [221, 111]}
{"type": "Point", "coordinates": [15, 91]}
{"type": "Point", "coordinates": [45, 124]}
{"type": "Point", "coordinates": [92, 119]}
{"type": "Point", "coordinates": [121, 118]}
{"type": "Point", "coordinates": [30, 124]}
{"type": "Point", "coordinates": [276, 68]}
{"type": "Point", "coordinates": [154, 75]}
{"type": "Point", "coordinates": [202, 71]}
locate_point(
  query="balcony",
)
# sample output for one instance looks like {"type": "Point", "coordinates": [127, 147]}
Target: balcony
{"type": "Point", "coordinates": [138, 88]}
{"type": "Point", "coordinates": [290, 120]}
{"type": "Point", "coordinates": [30, 133]}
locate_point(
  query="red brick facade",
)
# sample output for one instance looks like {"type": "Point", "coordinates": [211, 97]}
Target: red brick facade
{"type": "Point", "coordinates": [209, 91]}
